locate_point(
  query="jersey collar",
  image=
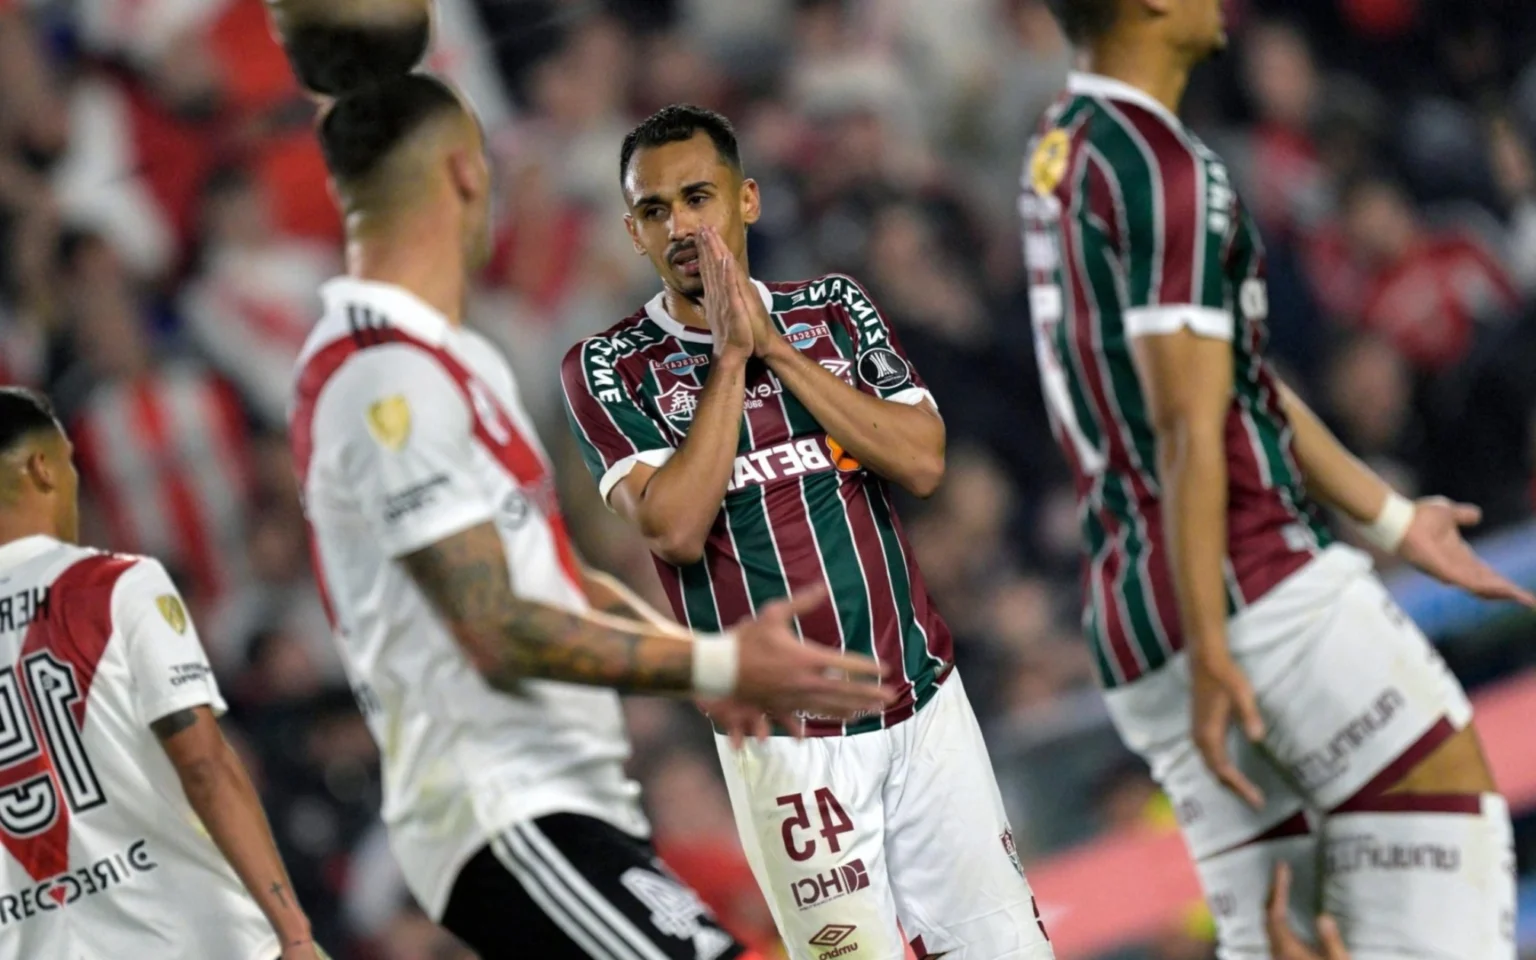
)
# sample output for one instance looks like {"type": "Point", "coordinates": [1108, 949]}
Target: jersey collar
{"type": "Point", "coordinates": [21, 550]}
{"type": "Point", "coordinates": [1084, 84]}
{"type": "Point", "coordinates": [657, 311]}
{"type": "Point", "coordinates": [402, 308]}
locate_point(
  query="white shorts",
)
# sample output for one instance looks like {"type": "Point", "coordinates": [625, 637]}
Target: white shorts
{"type": "Point", "coordinates": [1345, 680]}
{"type": "Point", "coordinates": [849, 836]}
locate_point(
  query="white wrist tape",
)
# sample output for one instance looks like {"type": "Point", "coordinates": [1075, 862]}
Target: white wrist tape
{"type": "Point", "coordinates": [716, 659]}
{"type": "Point", "coordinates": [1386, 532]}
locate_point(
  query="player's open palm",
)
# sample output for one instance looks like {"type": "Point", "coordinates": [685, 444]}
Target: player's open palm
{"type": "Point", "coordinates": [1435, 545]}
{"type": "Point", "coordinates": [724, 310]}
{"type": "Point", "coordinates": [1283, 942]}
{"type": "Point", "coordinates": [1222, 694]}
{"type": "Point", "coordinates": [785, 677]}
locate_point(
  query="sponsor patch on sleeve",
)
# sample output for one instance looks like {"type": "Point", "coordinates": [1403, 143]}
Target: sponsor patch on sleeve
{"type": "Point", "coordinates": [389, 420]}
{"type": "Point", "coordinates": [884, 369]}
{"type": "Point", "coordinates": [174, 613]}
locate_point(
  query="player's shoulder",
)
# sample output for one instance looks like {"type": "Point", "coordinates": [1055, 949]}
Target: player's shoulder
{"type": "Point", "coordinates": [632, 336]}
{"type": "Point", "coordinates": [88, 569]}
{"type": "Point", "coordinates": [828, 291]}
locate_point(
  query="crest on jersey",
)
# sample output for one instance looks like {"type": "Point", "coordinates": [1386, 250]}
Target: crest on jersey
{"type": "Point", "coordinates": [389, 420]}
{"type": "Point", "coordinates": [174, 613]}
{"type": "Point", "coordinates": [1048, 165]}
{"type": "Point", "coordinates": [678, 404]}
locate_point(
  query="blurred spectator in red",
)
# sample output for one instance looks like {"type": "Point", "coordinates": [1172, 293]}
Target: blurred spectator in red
{"type": "Point", "coordinates": [162, 445]}
{"type": "Point", "coordinates": [1429, 289]}
{"type": "Point", "coordinates": [256, 292]}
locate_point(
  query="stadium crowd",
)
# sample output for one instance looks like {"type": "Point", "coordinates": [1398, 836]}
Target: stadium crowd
{"type": "Point", "coordinates": [164, 226]}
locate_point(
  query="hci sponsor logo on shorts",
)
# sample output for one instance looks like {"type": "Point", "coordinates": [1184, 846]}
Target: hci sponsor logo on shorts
{"type": "Point", "coordinates": [1329, 762]}
{"type": "Point", "coordinates": [838, 882]}
{"type": "Point", "coordinates": [834, 935]}
{"type": "Point", "coordinates": [1366, 852]}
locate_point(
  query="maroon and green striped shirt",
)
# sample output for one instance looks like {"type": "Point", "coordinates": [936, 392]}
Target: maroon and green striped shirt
{"type": "Point", "coordinates": [799, 512]}
{"type": "Point", "coordinates": [1132, 227]}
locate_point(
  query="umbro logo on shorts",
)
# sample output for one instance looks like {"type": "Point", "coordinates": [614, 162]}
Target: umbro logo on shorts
{"type": "Point", "coordinates": [833, 935]}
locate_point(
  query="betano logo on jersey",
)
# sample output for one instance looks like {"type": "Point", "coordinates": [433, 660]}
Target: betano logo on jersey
{"type": "Point", "coordinates": [782, 461]}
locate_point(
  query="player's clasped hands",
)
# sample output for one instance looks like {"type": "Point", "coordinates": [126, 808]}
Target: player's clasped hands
{"type": "Point", "coordinates": [1283, 942]}
{"type": "Point", "coordinates": [735, 313]}
{"type": "Point", "coordinates": [779, 677]}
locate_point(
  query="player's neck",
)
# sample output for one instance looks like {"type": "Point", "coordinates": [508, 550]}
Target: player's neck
{"type": "Point", "coordinates": [18, 525]}
{"type": "Point", "coordinates": [1160, 72]}
{"type": "Point", "coordinates": [432, 272]}
{"type": "Point", "coordinates": [684, 310]}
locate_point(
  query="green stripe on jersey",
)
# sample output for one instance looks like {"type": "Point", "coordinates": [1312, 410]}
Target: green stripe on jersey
{"type": "Point", "coordinates": [840, 560]}
{"type": "Point", "coordinates": [914, 642]}
{"type": "Point", "coordinates": [747, 517]}
{"type": "Point", "coordinates": [699, 598]}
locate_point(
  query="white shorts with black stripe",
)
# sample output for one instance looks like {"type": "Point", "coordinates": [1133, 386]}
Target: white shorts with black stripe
{"type": "Point", "coordinates": [571, 886]}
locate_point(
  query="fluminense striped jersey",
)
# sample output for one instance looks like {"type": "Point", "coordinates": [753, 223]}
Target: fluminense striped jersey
{"type": "Point", "coordinates": [799, 512]}
{"type": "Point", "coordinates": [1132, 228]}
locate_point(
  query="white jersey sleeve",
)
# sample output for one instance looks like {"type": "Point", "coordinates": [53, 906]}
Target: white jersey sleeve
{"type": "Point", "coordinates": [169, 666]}
{"type": "Point", "coordinates": [403, 433]}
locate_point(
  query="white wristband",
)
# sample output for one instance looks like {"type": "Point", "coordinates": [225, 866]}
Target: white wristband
{"type": "Point", "coordinates": [1386, 532]}
{"type": "Point", "coordinates": [715, 662]}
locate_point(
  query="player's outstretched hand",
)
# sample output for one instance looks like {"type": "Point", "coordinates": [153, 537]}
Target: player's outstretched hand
{"type": "Point", "coordinates": [1220, 691]}
{"type": "Point", "coordinates": [1435, 545]}
{"type": "Point", "coordinates": [1283, 942]}
{"type": "Point", "coordinates": [724, 310]}
{"type": "Point", "coordinates": [787, 679]}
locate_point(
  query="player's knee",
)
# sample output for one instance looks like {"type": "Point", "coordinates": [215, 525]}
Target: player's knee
{"type": "Point", "coordinates": [1236, 882]}
{"type": "Point", "coordinates": [1428, 876]}
{"type": "Point", "coordinates": [338, 47]}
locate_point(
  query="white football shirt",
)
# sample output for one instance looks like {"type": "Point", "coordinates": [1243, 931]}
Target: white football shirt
{"type": "Point", "coordinates": [407, 430]}
{"type": "Point", "coordinates": [103, 856]}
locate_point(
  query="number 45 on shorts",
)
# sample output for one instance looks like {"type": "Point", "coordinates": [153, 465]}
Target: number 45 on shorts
{"type": "Point", "coordinates": [834, 821]}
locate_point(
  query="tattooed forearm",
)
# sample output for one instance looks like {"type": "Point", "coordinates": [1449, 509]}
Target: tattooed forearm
{"type": "Point", "coordinates": [168, 726]}
{"type": "Point", "coordinates": [278, 890]}
{"type": "Point", "coordinates": [511, 639]}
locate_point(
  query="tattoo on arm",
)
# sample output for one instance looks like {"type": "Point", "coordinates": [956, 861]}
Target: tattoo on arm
{"type": "Point", "coordinates": [168, 726]}
{"type": "Point", "coordinates": [277, 890]}
{"type": "Point", "coordinates": [465, 577]}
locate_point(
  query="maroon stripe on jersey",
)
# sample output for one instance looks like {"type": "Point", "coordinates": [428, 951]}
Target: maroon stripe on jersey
{"type": "Point", "coordinates": [1256, 518]}
{"type": "Point", "coordinates": [181, 504]}
{"type": "Point", "coordinates": [75, 631]}
{"type": "Point", "coordinates": [941, 643]}
{"type": "Point", "coordinates": [727, 580]}
{"type": "Point", "coordinates": [1165, 600]}
{"type": "Point", "coordinates": [1082, 319]}
{"type": "Point", "coordinates": [884, 617]}
{"type": "Point", "coordinates": [801, 562]}
{"type": "Point", "coordinates": [1116, 630]}
{"type": "Point", "coordinates": [1183, 229]}
{"type": "Point", "coordinates": [1101, 199]}
{"type": "Point", "coordinates": [672, 586]}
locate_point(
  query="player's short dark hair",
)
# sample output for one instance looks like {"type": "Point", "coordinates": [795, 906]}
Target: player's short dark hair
{"type": "Point", "coordinates": [1084, 21]}
{"type": "Point", "coordinates": [678, 123]}
{"type": "Point", "coordinates": [333, 53]}
{"type": "Point", "coordinates": [24, 413]}
{"type": "Point", "coordinates": [362, 128]}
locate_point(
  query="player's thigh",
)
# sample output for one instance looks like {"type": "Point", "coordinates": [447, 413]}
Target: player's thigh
{"type": "Point", "coordinates": [958, 883]}
{"type": "Point", "coordinates": [812, 824]}
{"type": "Point", "coordinates": [1351, 688]}
{"type": "Point", "coordinates": [1234, 846]}
{"type": "Point", "coordinates": [580, 887]}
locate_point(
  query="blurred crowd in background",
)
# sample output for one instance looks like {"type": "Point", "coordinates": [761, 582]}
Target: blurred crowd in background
{"type": "Point", "coordinates": [164, 226]}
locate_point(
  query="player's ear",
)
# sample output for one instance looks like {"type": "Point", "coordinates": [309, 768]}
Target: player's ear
{"type": "Point", "coordinates": [41, 470]}
{"type": "Point", "coordinates": [751, 202]}
{"type": "Point", "coordinates": [467, 175]}
{"type": "Point", "coordinates": [634, 232]}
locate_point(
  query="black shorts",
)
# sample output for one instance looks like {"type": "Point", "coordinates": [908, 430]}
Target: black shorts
{"type": "Point", "coordinates": [569, 886]}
